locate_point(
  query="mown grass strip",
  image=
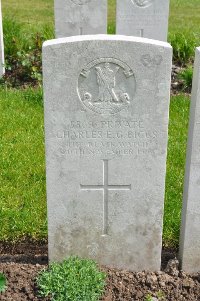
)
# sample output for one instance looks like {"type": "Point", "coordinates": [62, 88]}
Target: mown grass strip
{"type": "Point", "coordinates": [178, 129]}
{"type": "Point", "coordinates": [22, 167]}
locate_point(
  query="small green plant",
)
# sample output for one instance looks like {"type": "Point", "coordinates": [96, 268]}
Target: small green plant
{"type": "Point", "coordinates": [2, 283]}
{"type": "Point", "coordinates": [160, 296]}
{"type": "Point", "coordinates": [183, 47]}
{"type": "Point", "coordinates": [186, 77]}
{"type": "Point", "coordinates": [149, 298]}
{"type": "Point", "coordinates": [72, 280]}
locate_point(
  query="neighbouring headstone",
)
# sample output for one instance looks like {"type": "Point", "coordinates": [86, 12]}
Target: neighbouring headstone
{"type": "Point", "coordinates": [143, 18]}
{"type": "Point", "coordinates": [190, 228]}
{"type": "Point", "coordinates": [106, 123]}
{"type": "Point", "coordinates": [80, 17]}
{"type": "Point", "coordinates": [2, 68]}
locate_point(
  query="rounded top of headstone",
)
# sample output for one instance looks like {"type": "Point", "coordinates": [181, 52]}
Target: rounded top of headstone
{"type": "Point", "coordinates": [105, 37]}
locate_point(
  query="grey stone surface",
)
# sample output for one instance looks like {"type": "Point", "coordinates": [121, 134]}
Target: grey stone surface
{"type": "Point", "coordinates": [143, 18]}
{"type": "Point", "coordinates": [2, 69]}
{"type": "Point", "coordinates": [80, 17]}
{"type": "Point", "coordinates": [190, 228]}
{"type": "Point", "coordinates": [106, 123]}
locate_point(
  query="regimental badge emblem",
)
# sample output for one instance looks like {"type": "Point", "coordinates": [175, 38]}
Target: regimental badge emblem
{"type": "Point", "coordinates": [106, 86]}
{"type": "Point", "coordinates": [80, 2]}
{"type": "Point", "coordinates": [142, 3]}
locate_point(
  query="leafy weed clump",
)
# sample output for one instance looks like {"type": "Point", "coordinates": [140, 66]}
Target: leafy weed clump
{"type": "Point", "coordinates": [15, 39]}
{"type": "Point", "coordinates": [186, 77]}
{"type": "Point", "coordinates": [24, 68]}
{"type": "Point", "coordinates": [23, 54]}
{"type": "Point", "coordinates": [183, 47]}
{"type": "Point", "coordinates": [160, 296]}
{"type": "Point", "coordinates": [72, 280]}
{"type": "Point", "coordinates": [2, 283]}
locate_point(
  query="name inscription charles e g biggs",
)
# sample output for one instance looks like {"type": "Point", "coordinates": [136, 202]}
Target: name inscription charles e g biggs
{"type": "Point", "coordinates": [129, 138]}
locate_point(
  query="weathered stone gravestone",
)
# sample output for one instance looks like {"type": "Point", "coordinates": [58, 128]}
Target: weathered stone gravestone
{"type": "Point", "coordinates": [143, 18]}
{"type": "Point", "coordinates": [2, 69]}
{"type": "Point", "coordinates": [80, 17]}
{"type": "Point", "coordinates": [106, 123]}
{"type": "Point", "coordinates": [190, 238]}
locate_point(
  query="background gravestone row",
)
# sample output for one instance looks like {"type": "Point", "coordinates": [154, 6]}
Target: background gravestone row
{"type": "Point", "coordinates": [142, 18]}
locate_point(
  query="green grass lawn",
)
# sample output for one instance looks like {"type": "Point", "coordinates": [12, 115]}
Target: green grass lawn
{"type": "Point", "coordinates": [178, 128]}
{"type": "Point", "coordinates": [22, 172]}
{"type": "Point", "coordinates": [184, 16]}
{"type": "Point", "coordinates": [31, 13]}
{"type": "Point", "coordinates": [22, 163]}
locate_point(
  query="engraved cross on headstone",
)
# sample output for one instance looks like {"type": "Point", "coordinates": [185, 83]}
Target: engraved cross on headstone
{"type": "Point", "coordinates": [105, 188]}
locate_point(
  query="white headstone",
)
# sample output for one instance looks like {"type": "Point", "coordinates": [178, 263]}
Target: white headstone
{"type": "Point", "coordinates": [106, 123]}
{"type": "Point", "coordinates": [80, 17]}
{"type": "Point", "coordinates": [2, 69]}
{"type": "Point", "coordinates": [143, 18]}
{"type": "Point", "coordinates": [190, 229]}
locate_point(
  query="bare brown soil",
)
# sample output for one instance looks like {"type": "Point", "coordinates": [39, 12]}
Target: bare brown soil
{"type": "Point", "coordinates": [22, 261]}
